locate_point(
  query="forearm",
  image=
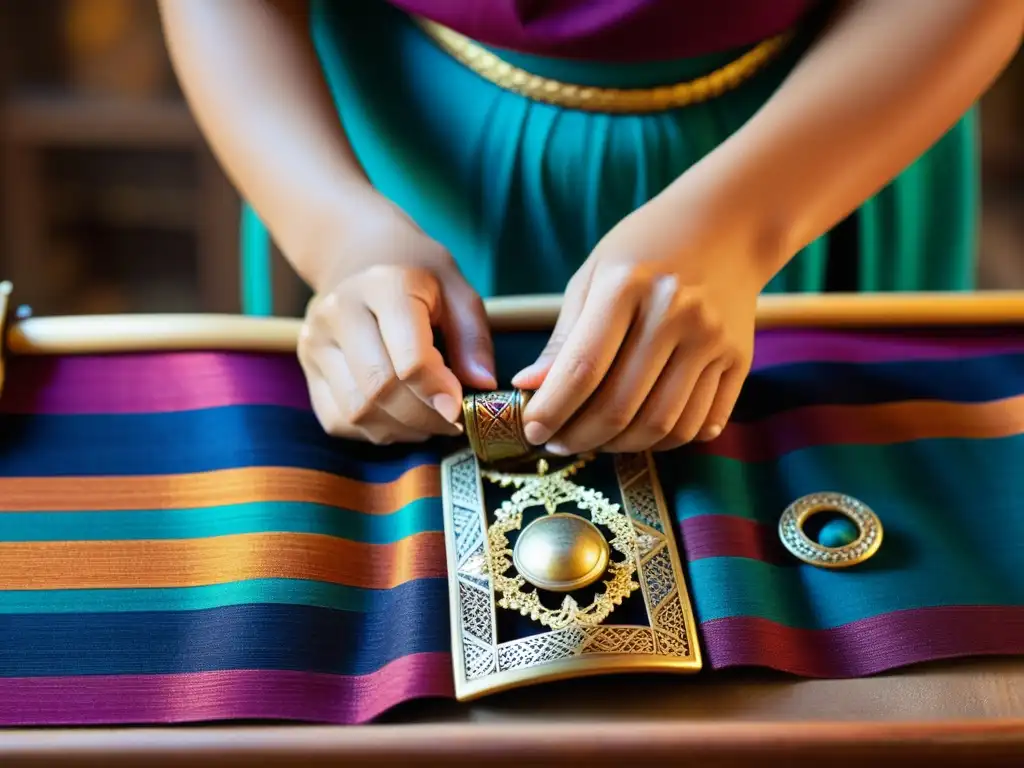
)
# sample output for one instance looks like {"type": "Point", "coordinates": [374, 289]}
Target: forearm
{"type": "Point", "coordinates": [885, 81]}
{"type": "Point", "coordinates": [250, 74]}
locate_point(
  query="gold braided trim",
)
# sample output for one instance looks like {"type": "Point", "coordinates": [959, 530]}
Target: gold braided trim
{"type": "Point", "coordinates": [593, 99]}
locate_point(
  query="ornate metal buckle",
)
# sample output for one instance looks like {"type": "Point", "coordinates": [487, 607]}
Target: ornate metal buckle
{"type": "Point", "coordinates": [561, 570]}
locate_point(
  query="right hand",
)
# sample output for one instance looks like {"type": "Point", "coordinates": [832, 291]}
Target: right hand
{"type": "Point", "coordinates": [367, 343]}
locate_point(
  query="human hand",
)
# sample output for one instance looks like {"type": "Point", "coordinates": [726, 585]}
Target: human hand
{"type": "Point", "coordinates": [367, 343]}
{"type": "Point", "coordinates": [654, 340]}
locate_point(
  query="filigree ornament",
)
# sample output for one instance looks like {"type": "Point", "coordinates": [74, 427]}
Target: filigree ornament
{"type": "Point", "coordinates": [552, 491]}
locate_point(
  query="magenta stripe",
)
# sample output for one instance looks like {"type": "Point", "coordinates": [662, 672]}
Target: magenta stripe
{"type": "Point", "coordinates": [731, 536]}
{"type": "Point", "coordinates": [160, 382]}
{"type": "Point", "coordinates": [869, 646]}
{"type": "Point", "coordinates": [786, 346]}
{"type": "Point", "coordinates": [227, 695]}
{"type": "Point", "coordinates": [152, 383]}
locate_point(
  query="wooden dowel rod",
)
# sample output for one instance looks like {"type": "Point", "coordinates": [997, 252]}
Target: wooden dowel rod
{"type": "Point", "coordinates": [127, 333]}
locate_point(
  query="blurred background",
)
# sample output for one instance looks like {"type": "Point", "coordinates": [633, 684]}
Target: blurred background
{"type": "Point", "coordinates": [110, 202]}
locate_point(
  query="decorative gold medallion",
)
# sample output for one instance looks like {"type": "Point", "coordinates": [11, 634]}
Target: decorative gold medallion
{"type": "Point", "coordinates": [544, 606]}
{"type": "Point", "coordinates": [862, 545]}
{"type": "Point", "coordinates": [551, 491]}
{"type": "Point", "coordinates": [561, 552]}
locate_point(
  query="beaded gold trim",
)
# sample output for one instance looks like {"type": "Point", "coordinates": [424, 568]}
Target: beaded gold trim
{"type": "Point", "coordinates": [491, 67]}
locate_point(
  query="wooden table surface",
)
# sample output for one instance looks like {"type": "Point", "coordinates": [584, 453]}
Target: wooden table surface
{"type": "Point", "coordinates": [948, 714]}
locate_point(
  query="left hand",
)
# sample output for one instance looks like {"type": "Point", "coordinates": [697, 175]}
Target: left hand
{"type": "Point", "coordinates": [654, 340]}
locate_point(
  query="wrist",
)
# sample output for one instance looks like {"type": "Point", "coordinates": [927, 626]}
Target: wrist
{"type": "Point", "coordinates": [735, 217]}
{"type": "Point", "coordinates": [314, 242]}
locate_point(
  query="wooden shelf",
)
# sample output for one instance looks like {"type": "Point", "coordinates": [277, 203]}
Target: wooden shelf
{"type": "Point", "coordinates": [49, 120]}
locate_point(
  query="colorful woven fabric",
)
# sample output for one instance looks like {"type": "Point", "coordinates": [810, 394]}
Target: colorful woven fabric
{"type": "Point", "coordinates": [180, 542]}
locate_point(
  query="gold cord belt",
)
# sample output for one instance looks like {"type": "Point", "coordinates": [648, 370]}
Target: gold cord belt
{"type": "Point", "coordinates": [491, 67]}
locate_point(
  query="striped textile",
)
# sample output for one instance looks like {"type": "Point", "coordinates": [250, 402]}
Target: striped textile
{"type": "Point", "coordinates": [180, 542]}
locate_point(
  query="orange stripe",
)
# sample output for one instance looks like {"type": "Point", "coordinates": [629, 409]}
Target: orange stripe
{"type": "Point", "coordinates": [197, 562]}
{"type": "Point", "coordinates": [222, 487]}
{"type": "Point", "coordinates": [884, 424]}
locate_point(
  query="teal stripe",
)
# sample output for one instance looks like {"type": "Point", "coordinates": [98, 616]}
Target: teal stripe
{"type": "Point", "coordinates": [937, 500]}
{"type": "Point", "coordinates": [815, 598]}
{"type": "Point", "coordinates": [315, 594]}
{"type": "Point", "coordinates": [420, 516]}
{"type": "Point", "coordinates": [915, 474]}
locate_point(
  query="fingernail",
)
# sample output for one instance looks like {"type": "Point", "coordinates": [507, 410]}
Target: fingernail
{"type": "Point", "coordinates": [711, 433]}
{"type": "Point", "coordinates": [536, 433]}
{"type": "Point", "coordinates": [447, 406]}
{"type": "Point", "coordinates": [485, 375]}
{"type": "Point", "coordinates": [556, 448]}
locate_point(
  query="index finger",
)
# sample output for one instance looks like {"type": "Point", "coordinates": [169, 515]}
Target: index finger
{"type": "Point", "coordinates": [584, 360]}
{"type": "Point", "coordinates": [405, 327]}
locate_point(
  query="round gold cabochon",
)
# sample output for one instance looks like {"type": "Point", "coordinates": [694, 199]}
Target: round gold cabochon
{"type": "Point", "coordinates": [561, 552]}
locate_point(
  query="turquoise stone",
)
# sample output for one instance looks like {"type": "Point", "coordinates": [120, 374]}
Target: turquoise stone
{"type": "Point", "coordinates": [838, 533]}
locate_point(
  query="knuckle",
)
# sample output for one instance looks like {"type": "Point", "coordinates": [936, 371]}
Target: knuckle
{"type": "Point", "coordinates": [386, 274]}
{"type": "Point", "coordinates": [684, 433]}
{"type": "Point", "coordinates": [360, 411]}
{"type": "Point", "coordinates": [581, 370]}
{"type": "Point", "coordinates": [614, 420]}
{"type": "Point", "coordinates": [626, 279]}
{"type": "Point", "coordinates": [657, 428]}
{"type": "Point", "coordinates": [413, 366]}
{"type": "Point", "coordinates": [379, 379]}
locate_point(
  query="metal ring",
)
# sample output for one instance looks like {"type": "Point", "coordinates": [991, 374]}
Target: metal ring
{"type": "Point", "coordinates": [494, 425]}
{"type": "Point", "coordinates": [800, 545]}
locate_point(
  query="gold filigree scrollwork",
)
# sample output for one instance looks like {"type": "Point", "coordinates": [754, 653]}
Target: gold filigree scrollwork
{"type": "Point", "coordinates": [573, 642]}
{"type": "Point", "coordinates": [551, 491]}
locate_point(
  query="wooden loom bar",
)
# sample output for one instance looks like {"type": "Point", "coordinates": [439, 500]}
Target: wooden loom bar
{"type": "Point", "coordinates": [155, 332]}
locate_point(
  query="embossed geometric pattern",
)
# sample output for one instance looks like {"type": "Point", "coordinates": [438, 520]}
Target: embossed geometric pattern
{"type": "Point", "coordinates": [464, 484]}
{"type": "Point", "coordinates": [643, 505]}
{"type": "Point", "coordinates": [478, 660]}
{"type": "Point", "coordinates": [540, 649]}
{"type": "Point", "coordinates": [469, 533]}
{"type": "Point", "coordinates": [629, 466]}
{"type": "Point", "coordinates": [631, 640]}
{"type": "Point", "coordinates": [659, 577]}
{"type": "Point", "coordinates": [669, 618]}
{"type": "Point", "coordinates": [481, 654]}
{"type": "Point", "coordinates": [476, 612]}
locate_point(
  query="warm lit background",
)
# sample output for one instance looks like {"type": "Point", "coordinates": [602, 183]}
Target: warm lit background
{"type": "Point", "coordinates": [110, 202]}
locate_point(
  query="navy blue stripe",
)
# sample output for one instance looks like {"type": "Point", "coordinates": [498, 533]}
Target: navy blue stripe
{"type": "Point", "coordinates": [194, 441]}
{"type": "Point", "coordinates": [798, 385]}
{"type": "Point", "coordinates": [412, 618]}
{"type": "Point", "coordinates": [245, 436]}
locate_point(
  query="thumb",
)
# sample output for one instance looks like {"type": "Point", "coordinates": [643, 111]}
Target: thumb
{"type": "Point", "coordinates": [467, 336]}
{"type": "Point", "coordinates": [531, 377]}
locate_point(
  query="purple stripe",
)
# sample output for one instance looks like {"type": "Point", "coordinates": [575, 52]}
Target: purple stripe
{"type": "Point", "coordinates": [152, 383]}
{"type": "Point", "coordinates": [716, 535]}
{"type": "Point", "coordinates": [162, 382]}
{"type": "Point", "coordinates": [869, 646]}
{"type": "Point", "coordinates": [227, 695]}
{"type": "Point", "coordinates": [784, 346]}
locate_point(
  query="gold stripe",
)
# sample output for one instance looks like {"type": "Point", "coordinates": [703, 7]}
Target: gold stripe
{"type": "Point", "coordinates": [491, 67]}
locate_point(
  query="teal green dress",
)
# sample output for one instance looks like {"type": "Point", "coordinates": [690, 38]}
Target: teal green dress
{"type": "Point", "coordinates": [520, 191]}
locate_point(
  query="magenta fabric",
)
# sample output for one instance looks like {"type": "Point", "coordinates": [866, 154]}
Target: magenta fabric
{"type": "Point", "coordinates": [613, 30]}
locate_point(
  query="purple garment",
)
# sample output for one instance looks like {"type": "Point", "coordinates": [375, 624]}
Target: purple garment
{"type": "Point", "coordinates": [613, 30]}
